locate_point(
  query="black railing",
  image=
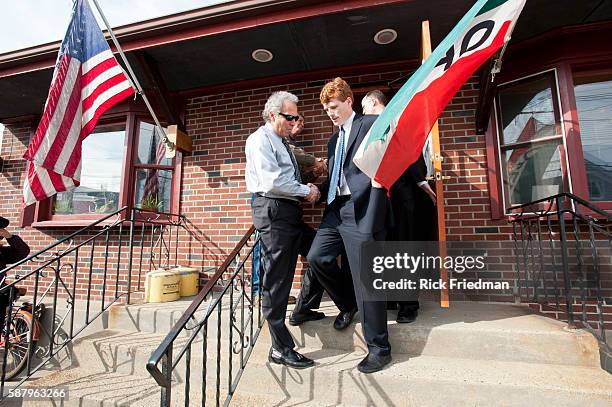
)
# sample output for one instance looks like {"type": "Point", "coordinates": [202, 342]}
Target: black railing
{"type": "Point", "coordinates": [221, 325]}
{"type": "Point", "coordinates": [73, 281]}
{"type": "Point", "coordinates": [563, 250]}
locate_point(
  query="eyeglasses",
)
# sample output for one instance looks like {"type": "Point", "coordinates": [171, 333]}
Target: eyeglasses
{"type": "Point", "coordinates": [290, 117]}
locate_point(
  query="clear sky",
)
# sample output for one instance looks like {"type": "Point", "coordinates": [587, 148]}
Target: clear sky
{"type": "Point", "coordinates": [26, 23]}
{"type": "Point", "coordinates": [32, 22]}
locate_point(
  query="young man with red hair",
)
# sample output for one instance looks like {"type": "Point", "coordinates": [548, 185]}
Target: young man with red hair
{"type": "Point", "coordinates": [356, 213]}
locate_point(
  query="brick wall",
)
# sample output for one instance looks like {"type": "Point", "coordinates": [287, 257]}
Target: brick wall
{"type": "Point", "coordinates": [214, 196]}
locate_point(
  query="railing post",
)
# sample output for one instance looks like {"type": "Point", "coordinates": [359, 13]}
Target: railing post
{"type": "Point", "coordinates": [129, 268]}
{"type": "Point", "coordinates": [565, 261]}
{"type": "Point", "coordinates": [166, 391]}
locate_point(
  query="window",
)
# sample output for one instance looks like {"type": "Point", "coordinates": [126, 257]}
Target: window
{"type": "Point", "coordinates": [101, 167]}
{"type": "Point", "coordinates": [153, 171]}
{"type": "Point", "coordinates": [530, 139]}
{"type": "Point", "coordinates": [550, 130]}
{"type": "Point", "coordinates": [123, 164]}
{"type": "Point", "coordinates": [594, 106]}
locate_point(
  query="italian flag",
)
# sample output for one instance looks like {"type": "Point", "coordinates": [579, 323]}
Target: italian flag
{"type": "Point", "coordinates": [396, 138]}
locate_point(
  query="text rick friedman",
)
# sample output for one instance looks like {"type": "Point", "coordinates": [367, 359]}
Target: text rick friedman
{"type": "Point", "coordinates": [429, 284]}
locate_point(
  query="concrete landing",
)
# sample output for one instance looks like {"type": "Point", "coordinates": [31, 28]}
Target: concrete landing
{"type": "Point", "coordinates": [472, 354]}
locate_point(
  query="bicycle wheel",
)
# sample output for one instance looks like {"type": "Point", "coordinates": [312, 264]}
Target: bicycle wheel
{"type": "Point", "coordinates": [18, 347]}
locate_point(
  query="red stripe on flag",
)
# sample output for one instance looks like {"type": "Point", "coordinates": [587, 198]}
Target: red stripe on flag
{"type": "Point", "coordinates": [52, 99]}
{"type": "Point", "coordinates": [56, 180]}
{"type": "Point", "coordinates": [75, 158]}
{"type": "Point", "coordinates": [64, 130]}
{"type": "Point", "coordinates": [424, 109]}
{"type": "Point", "coordinates": [35, 184]}
{"type": "Point", "coordinates": [104, 86]}
{"type": "Point", "coordinates": [98, 69]}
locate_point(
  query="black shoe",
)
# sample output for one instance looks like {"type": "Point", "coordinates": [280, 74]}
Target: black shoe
{"type": "Point", "coordinates": [406, 315]}
{"type": "Point", "coordinates": [290, 358]}
{"type": "Point", "coordinates": [301, 317]}
{"type": "Point", "coordinates": [344, 319]}
{"type": "Point", "coordinates": [373, 363]}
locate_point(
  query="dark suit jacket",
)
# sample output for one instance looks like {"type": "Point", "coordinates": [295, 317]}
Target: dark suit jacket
{"type": "Point", "coordinates": [412, 208]}
{"type": "Point", "coordinates": [413, 174]}
{"type": "Point", "coordinates": [372, 207]}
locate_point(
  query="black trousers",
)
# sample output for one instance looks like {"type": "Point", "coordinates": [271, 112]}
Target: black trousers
{"type": "Point", "coordinates": [311, 291]}
{"type": "Point", "coordinates": [414, 215]}
{"type": "Point", "coordinates": [280, 226]}
{"type": "Point", "coordinates": [339, 231]}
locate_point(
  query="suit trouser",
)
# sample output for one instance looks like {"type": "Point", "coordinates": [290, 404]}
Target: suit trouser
{"type": "Point", "coordinates": [403, 203]}
{"type": "Point", "coordinates": [414, 215]}
{"type": "Point", "coordinates": [311, 291]}
{"type": "Point", "coordinates": [280, 224]}
{"type": "Point", "coordinates": [339, 230]}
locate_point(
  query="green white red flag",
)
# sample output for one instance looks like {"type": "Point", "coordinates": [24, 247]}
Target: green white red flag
{"type": "Point", "coordinates": [396, 138]}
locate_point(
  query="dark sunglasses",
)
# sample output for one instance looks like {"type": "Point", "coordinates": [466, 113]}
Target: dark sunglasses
{"type": "Point", "coordinates": [290, 117]}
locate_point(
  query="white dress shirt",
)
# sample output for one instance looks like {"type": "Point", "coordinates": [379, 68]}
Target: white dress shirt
{"type": "Point", "coordinates": [269, 169]}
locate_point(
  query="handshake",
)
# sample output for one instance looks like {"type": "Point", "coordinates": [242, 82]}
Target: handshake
{"type": "Point", "coordinates": [314, 194]}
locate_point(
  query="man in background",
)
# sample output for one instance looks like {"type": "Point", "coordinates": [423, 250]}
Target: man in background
{"type": "Point", "coordinates": [413, 211]}
{"type": "Point", "coordinates": [311, 292]}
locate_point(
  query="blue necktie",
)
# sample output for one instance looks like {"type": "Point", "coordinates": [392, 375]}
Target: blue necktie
{"type": "Point", "coordinates": [337, 172]}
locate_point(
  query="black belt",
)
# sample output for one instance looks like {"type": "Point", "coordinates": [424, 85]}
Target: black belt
{"type": "Point", "coordinates": [287, 200]}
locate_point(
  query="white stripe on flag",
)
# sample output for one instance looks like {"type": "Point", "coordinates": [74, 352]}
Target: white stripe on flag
{"type": "Point", "coordinates": [77, 172]}
{"type": "Point", "coordinates": [45, 181]}
{"type": "Point", "coordinates": [28, 195]}
{"type": "Point", "coordinates": [104, 76]}
{"type": "Point", "coordinates": [96, 60]}
{"type": "Point", "coordinates": [71, 141]}
{"type": "Point", "coordinates": [60, 109]}
{"type": "Point", "coordinates": [103, 97]}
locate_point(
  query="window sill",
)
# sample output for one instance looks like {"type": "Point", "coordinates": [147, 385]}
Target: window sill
{"type": "Point", "coordinates": [140, 218]}
{"type": "Point", "coordinates": [69, 223]}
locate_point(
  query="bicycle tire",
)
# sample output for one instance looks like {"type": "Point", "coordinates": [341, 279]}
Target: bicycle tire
{"type": "Point", "coordinates": [19, 348]}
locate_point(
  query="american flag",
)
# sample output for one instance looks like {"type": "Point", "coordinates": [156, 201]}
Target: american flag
{"type": "Point", "coordinates": [86, 82]}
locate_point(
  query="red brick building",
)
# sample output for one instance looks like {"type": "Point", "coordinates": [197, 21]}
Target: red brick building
{"type": "Point", "coordinates": [538, 129]}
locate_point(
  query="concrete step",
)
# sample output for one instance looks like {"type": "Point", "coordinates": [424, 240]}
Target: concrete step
{"type": "Point", "coordinates": [128, 352]}
{"type": "Point", "coordinates": [470, 354]}
{"type": "Point", "coordinates": [466, 330]}
{"type": "Point", "coordinates": [422, 381]}
{"type": "Point", "coordinates": [408, 381]}
{"type": "Point", "coordinates": [142, 327]}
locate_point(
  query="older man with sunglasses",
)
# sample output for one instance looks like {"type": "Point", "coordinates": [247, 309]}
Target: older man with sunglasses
{"type": "Point", "coordinates": [273, 175]}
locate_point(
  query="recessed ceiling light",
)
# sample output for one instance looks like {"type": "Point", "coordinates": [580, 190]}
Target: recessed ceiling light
{"type": "Point", "coordinates": [385, 36]}
{"type": "Point", "coordinates": [262, 55]}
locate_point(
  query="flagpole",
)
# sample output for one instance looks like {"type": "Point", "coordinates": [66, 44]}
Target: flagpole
{"type": "Point", "coordinates": [132, 77]}
{"type": "Point", "coordinates": [438, 178]}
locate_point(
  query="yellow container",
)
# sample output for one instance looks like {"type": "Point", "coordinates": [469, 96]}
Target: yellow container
{"type": "Point", "coordinates": [162, 286]}
{"type": "Point", "coordinates": [189, 278]}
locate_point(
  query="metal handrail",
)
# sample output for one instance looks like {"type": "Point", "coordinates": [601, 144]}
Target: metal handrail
{"type": "Point", "coordinates": [550, 199]}
{"type": "Point", "coordinates": [531, 229]}
{"type": "Point", "coordinates": [158, 353]}
{"type": "Point", "coordinates": [62, 240]}
{"type": "Point", "coordinates": [55, 262]}
{"type": "Point", "coordinates": [163, 353]}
